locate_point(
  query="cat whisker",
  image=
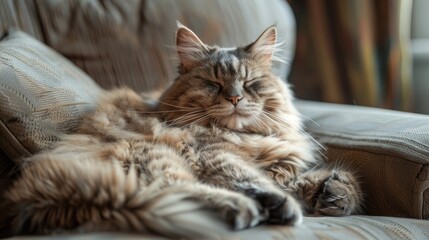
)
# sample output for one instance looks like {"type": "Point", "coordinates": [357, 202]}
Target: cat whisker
{"type": "Point", "coordinates": [217, 121]}
{"type": "Point", "coordinates": [300, 130]}
{"type": "Point", "coordinates": [172, 105]}
{"type": "Point", "coordinates": [166, 111]}
{"type": "Point", "coordinates": [299, 114]}
{"type": "Point", "coordinates": [256, 120]}
{"type": "Point", "coordinates": [186, 118]}
{"type": "Point", "coordinates": [180, 122]}
{"type": "Point", "coordinates": [202, 118]}
{"type": "Point", "coordinates": [308, 118]}
{"type": "Point", "coordinates": [277, 119]}
{"type": "Point", "coordinates": [172, 122]}
{"type": "Point", "coordinates": [287, 122]}
{"type": "Point", "coordinates": [282, 122]}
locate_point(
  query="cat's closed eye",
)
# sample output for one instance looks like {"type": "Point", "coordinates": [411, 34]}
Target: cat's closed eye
{"type": "Point", "coordinates": [213, 87]}
{"type": "Point", "coordinates": [210, 85]}
{"type": "Point", "coordinates": [253, 85]}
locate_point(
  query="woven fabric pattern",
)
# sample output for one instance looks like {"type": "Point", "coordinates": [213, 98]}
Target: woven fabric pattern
{"type": "Point", "coordinates": [350, 228]}
{"type": "Point", "coordinates": [42, 95]}
{"type": "Point", "coordinates": [389, 149]}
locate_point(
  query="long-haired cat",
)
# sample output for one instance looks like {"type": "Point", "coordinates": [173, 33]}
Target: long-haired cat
{"type": "Point", "coordinates": [223, 142]}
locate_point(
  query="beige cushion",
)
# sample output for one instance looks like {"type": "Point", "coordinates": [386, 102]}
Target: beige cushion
{"type": "Point", "coordinates": [353, 227]}
{"type": "Point", "coordinates": [389, 149]}
{"type": "Point", "coordinates": [42, 95]}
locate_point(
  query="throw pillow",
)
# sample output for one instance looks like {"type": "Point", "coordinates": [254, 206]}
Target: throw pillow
{"type": "Point", "coordinates": [42, 95]}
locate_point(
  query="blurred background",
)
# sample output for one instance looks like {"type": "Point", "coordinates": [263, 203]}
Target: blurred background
{"type": "Point", "coordinates": [354, 52]}
{"type": "Point", "coordinates": [362, 52]}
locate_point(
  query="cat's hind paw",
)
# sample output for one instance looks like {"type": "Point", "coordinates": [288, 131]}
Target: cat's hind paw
{"type": "Point", "coordinates": [339, 195]}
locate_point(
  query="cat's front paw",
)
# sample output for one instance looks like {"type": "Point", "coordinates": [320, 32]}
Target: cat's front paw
{"type": "Point", "coordinates": [289, 212]}
{"type": "Point", "coordinates": [243, 212]}
{"type": "Point", "coordinates": [280, 206]}
{"type": "Point", "coordinates": [339, 195]}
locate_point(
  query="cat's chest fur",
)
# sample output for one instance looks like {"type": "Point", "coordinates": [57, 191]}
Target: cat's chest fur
{"type": "Point", "coordinates": [121, 118]}
{"type": "Point", "coordinates": [201, 140]}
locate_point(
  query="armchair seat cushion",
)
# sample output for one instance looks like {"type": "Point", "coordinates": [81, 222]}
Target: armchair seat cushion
{"type": "Point", "coordinates": [352, 227]}
{"type": "Point", "coordinates": [389, 149]}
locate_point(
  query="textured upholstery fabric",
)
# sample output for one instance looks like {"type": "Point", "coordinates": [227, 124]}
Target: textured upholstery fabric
{"type": "Point", "coordinates": [389, 149]}
{"type": "Point", "coordinates": [42, 95]}
{"type": "Point", "coordinates": [353, 227]}
{"type": "Point", "coordinates": [132, 42]}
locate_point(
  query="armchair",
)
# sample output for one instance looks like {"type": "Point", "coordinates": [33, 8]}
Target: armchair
{"type": "Point", "coordinates": [113, 43]}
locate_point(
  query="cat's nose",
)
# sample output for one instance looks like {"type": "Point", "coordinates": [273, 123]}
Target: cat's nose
{"type": "Point", "coordinates": [234, 99]}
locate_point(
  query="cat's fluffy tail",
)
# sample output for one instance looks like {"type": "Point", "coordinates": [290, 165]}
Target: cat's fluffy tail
{"type": "Point", "coordinates": [94, 196]}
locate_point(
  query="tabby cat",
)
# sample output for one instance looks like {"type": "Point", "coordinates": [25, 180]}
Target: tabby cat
{"type": "Point", "coordinates": [224, 141]}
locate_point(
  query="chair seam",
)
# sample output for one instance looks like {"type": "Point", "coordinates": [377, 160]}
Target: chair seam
{"type": "Point", "coordinates": [416, 150]}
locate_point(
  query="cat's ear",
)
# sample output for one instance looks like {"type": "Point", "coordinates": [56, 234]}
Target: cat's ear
{"type": "Point", "coordinates": [263, 48]}
{"type": "Point", "coordinates": [190, 48]}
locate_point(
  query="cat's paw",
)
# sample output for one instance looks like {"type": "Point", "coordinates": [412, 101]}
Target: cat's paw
{"type": "Point", "coordinates": [339, 195]}
{"type": "Point", "coordinates": [280, 207]}
{"type": "Point", "coordinates": [289, 212]}
{"type": "Point", "coordinates": [243, 212]}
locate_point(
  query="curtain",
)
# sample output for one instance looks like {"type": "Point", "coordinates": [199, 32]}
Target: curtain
{"type": "Point", "coordinates": [353, 52]}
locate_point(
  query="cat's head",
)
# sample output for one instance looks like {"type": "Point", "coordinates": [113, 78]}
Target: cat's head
{"type": "Point", "coordinates": [229, 87]}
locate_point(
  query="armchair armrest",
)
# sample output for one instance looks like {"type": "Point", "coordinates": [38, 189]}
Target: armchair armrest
{"type": "Point", "coordinates": [388, 149]}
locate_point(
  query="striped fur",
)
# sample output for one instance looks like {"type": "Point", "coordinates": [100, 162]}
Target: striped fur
{"type": "Point", "coordinates": [224, 137]}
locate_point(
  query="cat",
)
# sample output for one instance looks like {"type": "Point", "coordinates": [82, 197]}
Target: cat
{"type": "Point", "coordinates": [224, 143]}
